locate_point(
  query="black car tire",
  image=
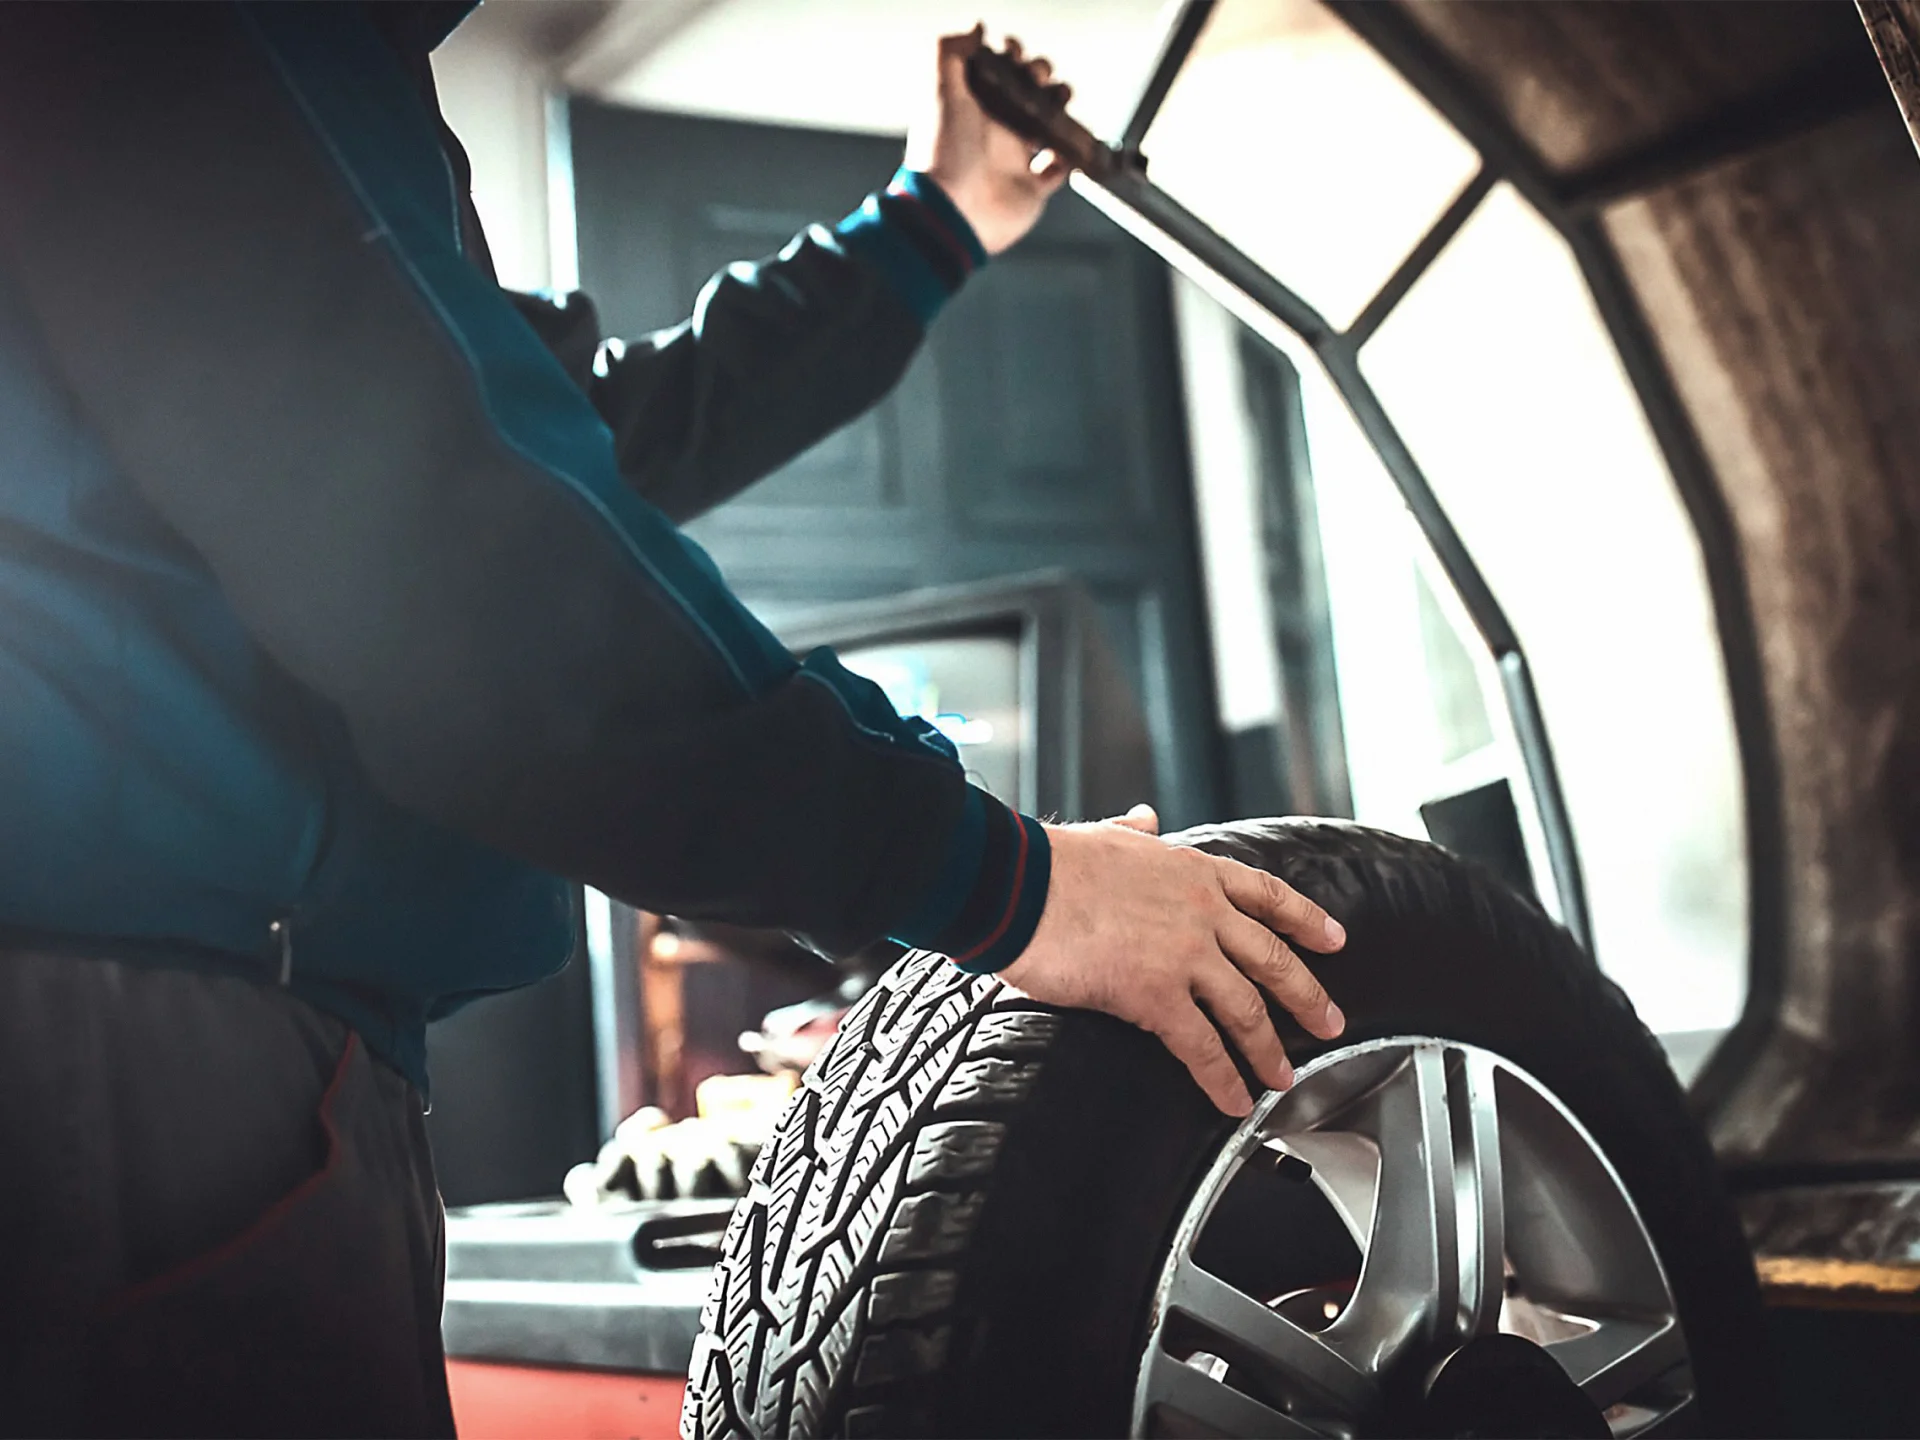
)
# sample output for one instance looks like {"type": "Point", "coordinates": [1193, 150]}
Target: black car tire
{"type": "Point", "coordinates": [958, 1224]}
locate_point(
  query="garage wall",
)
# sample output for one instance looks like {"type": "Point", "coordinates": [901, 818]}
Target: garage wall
{"type": "Point", "coordinates": [1786, 292]}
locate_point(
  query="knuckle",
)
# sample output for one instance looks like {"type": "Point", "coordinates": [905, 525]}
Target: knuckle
{"type": "Point", "coordinates": [1227, 1075]}
{"type": "Point", "coordinates": [1290, 901]}
{"type": "Point", "coordinates": [1247, 1011]}
{"type": "Point", "coordinates": [1241, 1007]}
{"type": "Point", "coordinates": [1280, 959]}
{"type": "Point", "coordinates": [1213, 1055]}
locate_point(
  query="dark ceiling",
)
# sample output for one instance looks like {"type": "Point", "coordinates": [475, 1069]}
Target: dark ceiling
{"type": "Point", "coordinates": [1594, 85]}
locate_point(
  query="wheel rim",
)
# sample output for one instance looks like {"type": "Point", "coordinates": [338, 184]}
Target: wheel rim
{"type": "Point", "coordinates": [1478, 1205]}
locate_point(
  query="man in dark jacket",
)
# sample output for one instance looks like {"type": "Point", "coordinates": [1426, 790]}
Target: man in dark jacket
{"type": "Point", "coordinates": [344, 623]}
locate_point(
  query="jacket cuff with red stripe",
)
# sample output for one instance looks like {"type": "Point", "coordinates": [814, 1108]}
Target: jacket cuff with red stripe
{"type": "Point", "coordinates": [917, 238]}
{"type": "Point", "coordinates": [985, 904]}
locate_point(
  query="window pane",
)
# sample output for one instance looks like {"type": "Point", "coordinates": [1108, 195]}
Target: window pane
{"type": "Point", "coordinates": [1419, 710]}
{"type": "Point", "coordinates": [1506, 387]}
{"type": "Point", "coordinates": [1420, 702]}
{"type": "Point", "coordinates": [1290, 136]}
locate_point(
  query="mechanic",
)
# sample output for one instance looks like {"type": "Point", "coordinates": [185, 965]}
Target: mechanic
{"type": "Point", "coordinates": [344, 623]}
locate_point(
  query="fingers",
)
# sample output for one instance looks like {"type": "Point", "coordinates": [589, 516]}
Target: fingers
{"type": "Point", "coordinates": [1141, 817]}
{"type": "Point", "coordinates": [1194, 1042]}
{"type": "Point", "coordinates": [1278, 905]}
{"type": "Point", "coordinates": [1241, 1010]}
{"type": "Point", "coordinates": [1039, 69]}
{"type": "Point", "coordinates": [1051, 172]}
{"type": "Point", "coordinates": [1267, 960]}
{"type": "Point", "coordinates": [964, 45]}
{"type": "Point", "coordinates": [953, 53]}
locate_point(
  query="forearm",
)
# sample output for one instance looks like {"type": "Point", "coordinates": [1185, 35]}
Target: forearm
{"type": "Point", "coordinates": [781, 353]}
{"type": "Point", "coordinates": [781, 814]}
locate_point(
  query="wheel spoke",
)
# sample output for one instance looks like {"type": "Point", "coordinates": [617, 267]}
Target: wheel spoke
{"type": "Point", "coordinates": [1197, 1397]}
{"type": "Point", "coordinates": [1269, 1340]}
{"type": "Point", "coordinates": [1451, 1166]}
{"type": "Point", "coordinates": [1619, 1357]}
{"type": "Point", "coordinates": [1481, 1203]}
{"type": "Point", "coordinates": [1409, 1287]}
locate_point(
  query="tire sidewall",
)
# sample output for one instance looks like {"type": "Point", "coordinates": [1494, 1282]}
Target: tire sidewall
{"type": "Point", "coordinates": [1116, 1138]}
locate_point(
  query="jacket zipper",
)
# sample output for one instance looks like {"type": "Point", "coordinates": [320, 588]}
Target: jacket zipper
{"type": "Point", "coordinates": [282, 931]}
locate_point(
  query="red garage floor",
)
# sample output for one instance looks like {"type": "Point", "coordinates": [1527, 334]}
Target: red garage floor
{"type": "Point", "coordinates": [520, 1402]}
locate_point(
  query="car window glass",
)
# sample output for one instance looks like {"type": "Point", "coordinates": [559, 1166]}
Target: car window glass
{"type": "Point", "coordinates": [1499, 373]}
{"type": "Point", "coordinates": [1305, 149]}
{"type": "Point", "coordinates": [1420, 704]}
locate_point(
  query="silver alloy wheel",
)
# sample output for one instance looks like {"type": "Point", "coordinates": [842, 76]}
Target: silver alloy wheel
{"type": "Point", "coordinates": [1479, 1205]}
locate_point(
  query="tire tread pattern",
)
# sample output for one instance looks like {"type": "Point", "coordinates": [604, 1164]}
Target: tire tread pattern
{"type": "Point", "coordinates": [836, 1279]}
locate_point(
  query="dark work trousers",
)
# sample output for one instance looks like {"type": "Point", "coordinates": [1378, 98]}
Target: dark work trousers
{"type": "Point", "coordinates": [217, 1213]}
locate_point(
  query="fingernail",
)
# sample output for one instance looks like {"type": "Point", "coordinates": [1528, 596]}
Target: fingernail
{"type": "Point", "coordinates": [1286, 1075]}
{"type": "Point", "coordinates": [1333, 1021]}
{"type": "Point", "coordinates": [1336, 933]}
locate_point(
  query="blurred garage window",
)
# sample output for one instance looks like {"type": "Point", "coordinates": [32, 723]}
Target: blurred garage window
{"type": "Point", "coordinates": [1291, 137]}
{"type": "Point", "coordinates": [1420, 702]}
{"type": "Point", "coordinates": [1500, 375]}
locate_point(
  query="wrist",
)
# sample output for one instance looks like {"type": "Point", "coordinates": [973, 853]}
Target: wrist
{"type": "Point", "coordinates": [982, 909]}
{"type": "Point", "coordinates": [938, 194]}
{"type": "Point", "coordinates": [978, 204]}
{"type": "Point", "coordinates": [918, 240]}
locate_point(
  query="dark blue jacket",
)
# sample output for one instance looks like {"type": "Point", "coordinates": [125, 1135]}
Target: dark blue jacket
{"type": "Point", "coordinates": [340, 624]}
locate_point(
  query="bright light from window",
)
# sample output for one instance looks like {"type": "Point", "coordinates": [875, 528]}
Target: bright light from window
{"type": "Point", "coordinates": [964, 729]}
{"type": "Point", "coordinates": [1290, 136]}
{"type": "Point", "coordinates": [1503, 381]}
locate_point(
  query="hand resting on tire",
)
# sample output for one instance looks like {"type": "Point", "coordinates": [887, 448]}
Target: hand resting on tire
{"type": "Point", "coordinates": [1182, 944]}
